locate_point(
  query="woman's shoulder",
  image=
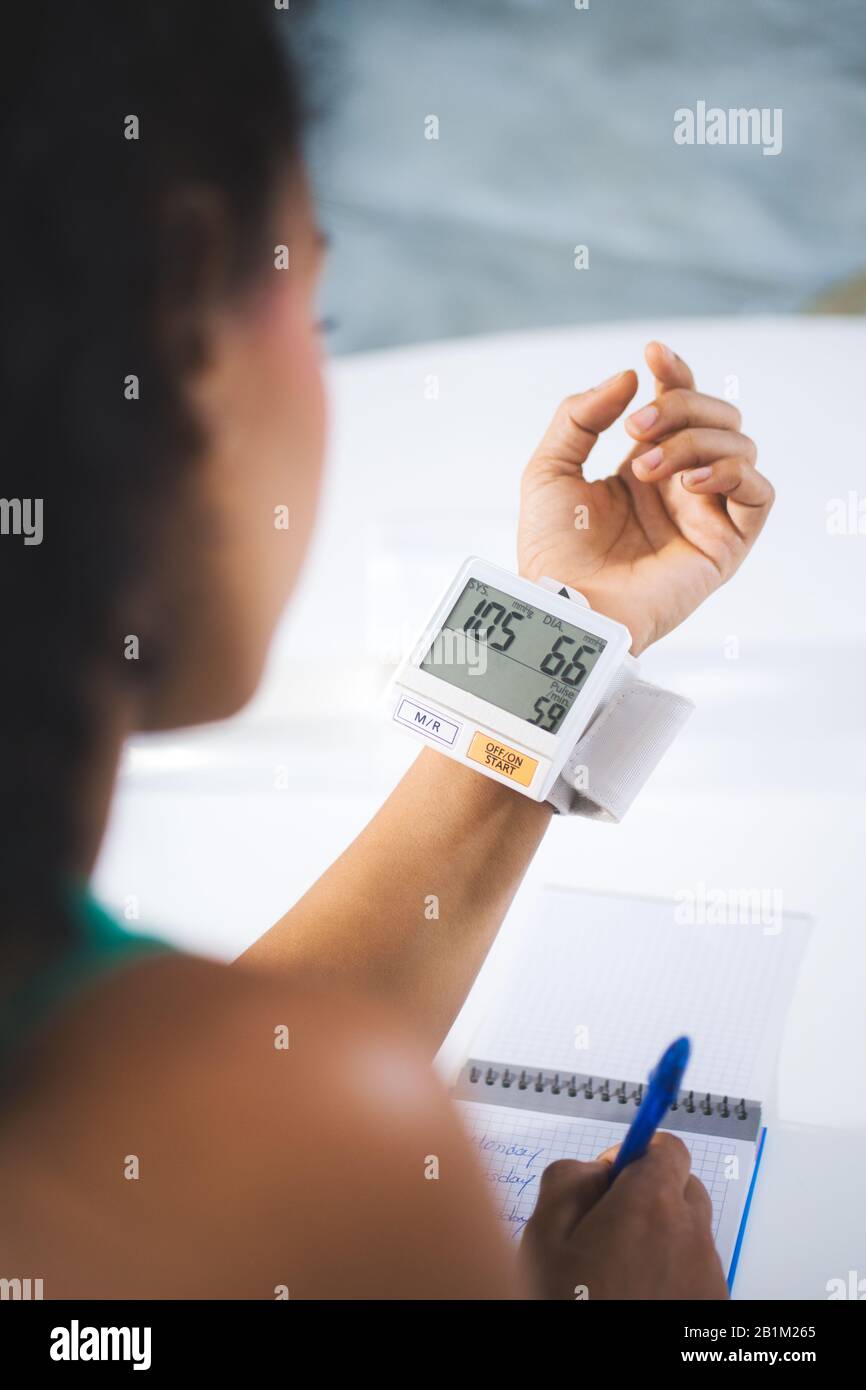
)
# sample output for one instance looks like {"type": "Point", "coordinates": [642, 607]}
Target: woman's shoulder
{"type": "Point", "coordinates": [187, 1035]}
{"type": "Point", "coordinates": [237, 1133]}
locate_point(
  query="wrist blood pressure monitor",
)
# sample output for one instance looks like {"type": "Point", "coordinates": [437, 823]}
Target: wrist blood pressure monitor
{"type": "Point", "coordinates": [527, 685]}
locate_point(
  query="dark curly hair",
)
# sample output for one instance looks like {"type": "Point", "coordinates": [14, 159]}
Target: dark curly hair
{"type": "Point", "coordinates": [107, 248]}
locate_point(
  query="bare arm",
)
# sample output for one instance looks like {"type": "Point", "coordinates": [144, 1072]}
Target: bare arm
{"type": "Point", "coordinates": [412, 906]}
{"type": "Point", "coordinates": [663, 535]}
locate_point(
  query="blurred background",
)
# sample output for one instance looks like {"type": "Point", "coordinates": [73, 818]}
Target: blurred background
{"type": "Point", "coordinates": [555, 130]}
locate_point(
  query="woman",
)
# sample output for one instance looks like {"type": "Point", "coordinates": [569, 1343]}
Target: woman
{"type": "Point", "coordinates": [161, 395]}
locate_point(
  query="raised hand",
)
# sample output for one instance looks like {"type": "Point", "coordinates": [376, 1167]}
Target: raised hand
{"type": "Point", "coordinates": [676, 520]}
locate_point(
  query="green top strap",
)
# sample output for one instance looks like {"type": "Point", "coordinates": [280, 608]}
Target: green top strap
{"type": "Point", "coordinates": [103, 945]}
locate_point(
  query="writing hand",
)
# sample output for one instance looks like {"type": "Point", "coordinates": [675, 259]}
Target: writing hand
{"type": "Point", "coordinates": [646, 1236]}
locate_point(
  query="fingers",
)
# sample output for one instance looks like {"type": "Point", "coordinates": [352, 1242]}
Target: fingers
{"type": "Point", "coordinates": [568, 1190]}
{"type": "Point", "coordinates": [608, 1156]}
{"type": "Point", "coordinates": [689, 449]}
{"type": "Point", "coordinates": [580, 419]}
{"type": "Point", "coordinates": [666, 1165]}
{"type": "Point", "coordinates": [698, 1198]}
{"type": "Point", "coordinates": [699, 437]}
{"type": "Point", "coordinates": [680, 409]}
{"type": "Point", "coordinates": [714, 463]}
{"type": "Point", "coordinates": [669, 370]}
{"type": "Point", "coordinates": [733, 478]}
{"type": "Point", "coordinates": [747, 493]}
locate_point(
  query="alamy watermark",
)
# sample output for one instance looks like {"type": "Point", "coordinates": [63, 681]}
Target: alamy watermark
{"type": "Point", "coordinates": [739, 125]}
{"type": "Point", "coordinates": [703, 905]}
{"type": "Point", "coordinates": [77, 1343]}
{"type": "Point", "coordinates": [846, 516]}
{"type": "Point", "coordinates": [21, 1290]}
{"type": "Point", "coordinates": [852, 1286]}
{"type": "Point", "coordinates": [453, 648]}
{"type": "Point", "coordinates": [22, 516]}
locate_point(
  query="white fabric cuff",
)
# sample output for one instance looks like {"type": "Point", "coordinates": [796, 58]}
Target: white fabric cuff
{"type": "Point", "coordinates": [622, 745]}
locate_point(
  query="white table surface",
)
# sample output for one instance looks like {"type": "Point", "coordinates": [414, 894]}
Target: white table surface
{"type": "Point", "coordinates": [764, 789]}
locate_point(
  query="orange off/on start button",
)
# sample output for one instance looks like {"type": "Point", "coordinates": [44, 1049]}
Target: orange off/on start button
{"type": "Point", "coordinates": [517, 767]}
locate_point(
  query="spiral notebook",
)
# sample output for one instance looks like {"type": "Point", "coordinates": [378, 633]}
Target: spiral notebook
{"type": "Point", "coordinates": [579, 1005]}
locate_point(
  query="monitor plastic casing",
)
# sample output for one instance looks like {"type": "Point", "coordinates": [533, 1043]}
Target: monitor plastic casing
{"type": "Point", "coordinates": [470, 729]}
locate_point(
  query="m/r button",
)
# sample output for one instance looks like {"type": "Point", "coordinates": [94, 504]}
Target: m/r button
{"type": "Point", "coordinates": [426, 721]}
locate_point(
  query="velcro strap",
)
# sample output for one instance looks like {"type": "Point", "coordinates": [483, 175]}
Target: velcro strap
{"type": "Point", "coordinates": [621, 747]}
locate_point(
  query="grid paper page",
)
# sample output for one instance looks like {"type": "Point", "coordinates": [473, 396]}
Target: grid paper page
{"type": "Point", "coordinates": [601, 984]}
{"type": "Point", "coordinates": [514, 1147]}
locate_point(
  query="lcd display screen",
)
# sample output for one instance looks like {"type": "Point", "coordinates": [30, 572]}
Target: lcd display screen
{"type": "Point", "coordinates": [513, 654]}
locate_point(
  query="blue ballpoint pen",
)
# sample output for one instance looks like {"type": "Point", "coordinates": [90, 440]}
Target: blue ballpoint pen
{"type": "Point", "coordinates": [662, 1091]}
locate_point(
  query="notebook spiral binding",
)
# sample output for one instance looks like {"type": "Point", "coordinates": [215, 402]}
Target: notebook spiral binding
{"type": "Point", "coordinates": [601, 1098]}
